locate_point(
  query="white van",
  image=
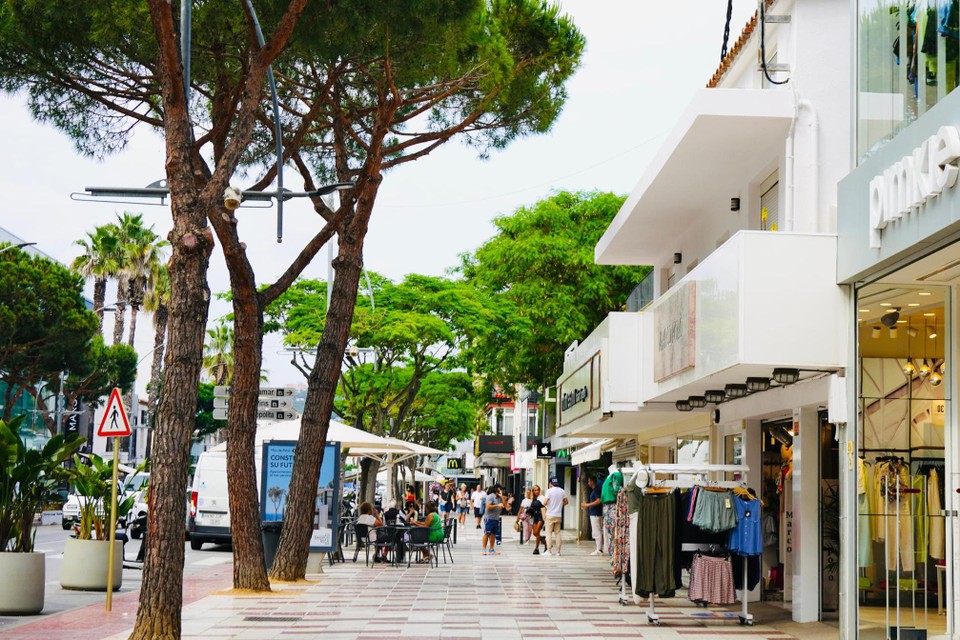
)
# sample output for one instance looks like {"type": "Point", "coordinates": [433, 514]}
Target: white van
{"type": "Point", "coordinates": [209, 519]}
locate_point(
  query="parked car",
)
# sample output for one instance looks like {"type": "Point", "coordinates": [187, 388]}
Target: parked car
{"type": "Point", "coordinates": [137, 485]}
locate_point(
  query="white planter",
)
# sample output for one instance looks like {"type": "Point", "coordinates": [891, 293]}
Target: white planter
{"type": "Point", "coordinates": [21, 589]}
{"type": "Point", "coordinates": [85, 565]}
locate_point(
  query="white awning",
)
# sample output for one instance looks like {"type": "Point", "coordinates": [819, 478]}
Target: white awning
{"type": "Point", "coordinates": [590, 452]}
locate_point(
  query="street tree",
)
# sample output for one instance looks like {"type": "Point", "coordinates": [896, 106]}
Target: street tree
{"type": "Point", "coordinates": [403, 375]}
{"type": "Point", "coordinates": [218, 354]}
{"type": "Point", "coordinates": [47, 333]}
{"type": "Point", "coordinates": [541, 263]}
{"type": "Point", "coordinates": [157, 302]}
{"type": "Point", "coordinates": [98, 262]}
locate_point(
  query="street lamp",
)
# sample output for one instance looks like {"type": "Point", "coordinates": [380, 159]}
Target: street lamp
{"type": "Point", "coordinates": [19, 245]}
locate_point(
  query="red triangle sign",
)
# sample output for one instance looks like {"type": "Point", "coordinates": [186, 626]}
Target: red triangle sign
{"type": "Point", "coordinates": [114, 422]}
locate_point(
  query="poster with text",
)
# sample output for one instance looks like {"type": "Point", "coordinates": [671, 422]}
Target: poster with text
{"type": "Point", "coordinates": [278, 456]}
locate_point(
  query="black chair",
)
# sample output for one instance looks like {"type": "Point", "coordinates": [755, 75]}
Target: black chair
{"type": "Point", "coordinates": [446, 545]}
{"type": "Point", "coordinates": [362, 532]}
{"type": "Point", "coordinates": [385, 543]}
{"type": "Point", "coordinates": [420, 540]}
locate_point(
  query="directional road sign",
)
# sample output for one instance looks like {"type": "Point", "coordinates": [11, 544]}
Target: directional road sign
{"type": "Point", "coordinates": [262, 414]}
{"type": "Point", "coordinates": [114, 422]}
{"type": "Point", "coordinates": [219, 414]}
{"type": "Point", "coordinates": [265, 392]}
{"type": "Point", "coordinates": [262, 403]}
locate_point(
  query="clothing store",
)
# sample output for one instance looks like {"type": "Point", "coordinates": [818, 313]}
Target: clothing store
{"type": "Point", "coordinates": [899, 250]}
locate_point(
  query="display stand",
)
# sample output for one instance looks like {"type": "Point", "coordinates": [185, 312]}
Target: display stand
{"type": "Point", "coordinates": [696, 478]}
{"type": "Point", "coordinates": [893, 590]}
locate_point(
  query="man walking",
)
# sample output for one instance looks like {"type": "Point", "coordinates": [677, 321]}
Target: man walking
{"type": "Point", "coordinates": [491, 522]}
{"type": "Point", "coordinates": [555, 500]}
{"type": "Point", "coordinates": [594, 509]}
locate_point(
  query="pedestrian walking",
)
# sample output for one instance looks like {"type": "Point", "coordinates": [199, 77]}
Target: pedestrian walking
{"type": "Point", "coordinates": [493, 505]}
{"type": "Point", "coordinates": [479, 500]}
{"type": "Point", "coordinates": [526, 522]}
{"type": "Point", "coordinates": [498, 490]}
{"type": "Point", "coordinates": [463, 505]}
{"type": "Point", "coordinates": [447, 501]}
{"type": "Point", "coordinates": [556, 499]}
{"type": "Point", "coordinates": [594, 507]}
{"type": "Point", "coordinates": [535, 511]}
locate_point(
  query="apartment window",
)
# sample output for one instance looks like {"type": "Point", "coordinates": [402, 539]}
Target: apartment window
{"type": "Point", "coordinates": [770, 204]}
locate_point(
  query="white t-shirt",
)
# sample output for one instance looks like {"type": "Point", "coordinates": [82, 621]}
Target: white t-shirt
{"type": "Point", "coordinates": [478, 499]}
{"type": "Point", "coordinates": [555, 496]}
{"type": "Point", "coordinates": [371, 522]}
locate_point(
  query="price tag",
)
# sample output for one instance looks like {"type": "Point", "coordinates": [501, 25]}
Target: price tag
{"type": "Point", "coordinates": [726, 503]}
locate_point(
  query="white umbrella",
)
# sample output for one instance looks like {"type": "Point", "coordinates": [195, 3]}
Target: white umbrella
{"type": "Point", "coordinates": [359, 442]}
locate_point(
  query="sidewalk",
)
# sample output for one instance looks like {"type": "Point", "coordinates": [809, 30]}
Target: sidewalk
{"type": "Point", "coordinates": [507, 597]}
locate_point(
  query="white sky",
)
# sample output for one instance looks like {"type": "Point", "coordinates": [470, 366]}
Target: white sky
{"type": "Point", "coordinates": [644, 61]}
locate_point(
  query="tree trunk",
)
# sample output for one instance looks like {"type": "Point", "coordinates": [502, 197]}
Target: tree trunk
{"type": "Point", "coordinates": [99, 299]}
{"type": "Point", "coordinates": [248, 569]}
{"type": "Point", "coordinates": [369, 467]}
{"type": "Point", "coordinates": [137, 289]}
{"type": "Point", "coordinates": [291, 560]}
{"type": "Point", "coordinates": [121, 308]}
{"type": "Point", "coordinates": [159, 337]}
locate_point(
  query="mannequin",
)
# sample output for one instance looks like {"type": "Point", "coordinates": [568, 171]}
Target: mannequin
{"type": "Point", "coordinates": [608, 496]}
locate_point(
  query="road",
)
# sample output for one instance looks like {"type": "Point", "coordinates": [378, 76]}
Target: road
{"type": "Point", "coordinates": [51, 541]}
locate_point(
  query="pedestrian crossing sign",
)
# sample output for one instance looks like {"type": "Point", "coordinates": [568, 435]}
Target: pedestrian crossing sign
{"type": "Point", "coordinates": [114, 422]}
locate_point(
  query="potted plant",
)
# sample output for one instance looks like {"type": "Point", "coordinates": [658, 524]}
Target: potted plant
{"type": "Point", "coordinates": [29, 479]}
{"type": "Point", "coordinates": [86, 555]}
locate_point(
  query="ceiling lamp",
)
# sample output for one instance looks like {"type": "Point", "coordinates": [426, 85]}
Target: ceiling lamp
{"type": "Point", "coordinates": [786, 376]}
{"type": "Point", "coordinates": [893, 332]}
{"type": "Point", "coordinates": [942, 369]}
{"type": "Point", "coordinates": [908, 368]}
{"type": "Point", "coordinates": [755, 385]}
{"type": "Point", "coordinates": [735, 390]}
{"type": "Point", "coordinates": [684, 405]}
{"type": "Point", "coordinates": [931, 332]}
{"type": "Point", "coordinates": [875, 332]}
{"type": "Point", "coordinates": [697, 402]}
{"type": "Point", "coordinates": [913, 333]}
{"type": "Point", "coordinates": [924, 369]}
{"type": "Point", "coordinates": [935, 379]}
{"type": "Point", "coordinates": [715, 396]}
{"type": "Point", "coordinates": [890, 317]}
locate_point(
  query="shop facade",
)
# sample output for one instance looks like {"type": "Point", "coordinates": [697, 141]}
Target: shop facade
{"type": "Point", "coordinates": [899, 252]}
{"type": "Point", "coordinates": [738, 360]}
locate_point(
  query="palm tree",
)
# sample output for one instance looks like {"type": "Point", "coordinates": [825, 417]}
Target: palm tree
{"type": "Point", "coordinates": [157, 301]}
{"type": "Point", "coordinates": [218, 354]}
{"type": "Point", "coordinates": [139, 250]}
{"type": "Point", "coordinates": [98, 261]}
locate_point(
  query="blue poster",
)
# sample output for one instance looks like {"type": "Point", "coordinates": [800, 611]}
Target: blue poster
{"type": "Point", "coordinates": [276, 472]}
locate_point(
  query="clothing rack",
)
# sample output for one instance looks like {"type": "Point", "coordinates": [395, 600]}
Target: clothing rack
{"type": "Point", "coordinates": [698, 471]}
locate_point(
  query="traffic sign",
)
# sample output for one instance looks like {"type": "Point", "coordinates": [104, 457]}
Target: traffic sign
{"type": "Point", "coordinates": [262, 403]}
{"type": "Point", "coordinates": [221, 403]}
{"type": "Point", "coordinates": [221, 392]}
{"type": "Point", "coordinates": [276, 415]}
{"type": "Point", "coordinates": [265, 392]}
{"type": "Point", "coordinates": [219, 414]}
{"type": "Point", "coordinates": [114, 422]}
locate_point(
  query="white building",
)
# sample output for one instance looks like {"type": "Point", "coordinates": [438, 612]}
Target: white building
{"type": "Point", "coordinates": [733, 360]}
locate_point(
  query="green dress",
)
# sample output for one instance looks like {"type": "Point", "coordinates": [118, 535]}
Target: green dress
{"type": "Point", "coordinates": [436, 528]}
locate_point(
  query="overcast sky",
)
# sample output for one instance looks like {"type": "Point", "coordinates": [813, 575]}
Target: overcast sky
{"type": "Point", "coordinates": [644, 60]}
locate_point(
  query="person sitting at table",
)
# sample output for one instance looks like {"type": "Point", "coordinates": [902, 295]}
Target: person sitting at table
{"type": "Point", "coordinates": [433, 521]}
{"type": "Point", "coordinates": [370, 517]}
{"type": "Point", "coordinates": [393, 515]}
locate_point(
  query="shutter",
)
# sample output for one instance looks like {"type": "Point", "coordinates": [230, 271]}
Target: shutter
{"type": "Point", "coordinates": [770, 203]}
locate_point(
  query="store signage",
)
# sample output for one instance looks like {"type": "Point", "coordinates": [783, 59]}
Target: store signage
{"type": "Point", "coordinates": [579, 393]}
{"type": "Point", "coordinates": [544, 450]}
{"type": "Point", "coordinates": [914, 180]}
{"type": "Point", "coordinates": [674, 325]}
{"type": "Point", "coordinates": [454, 463]}
{"type": "Point", "coordinates": [496, 444]}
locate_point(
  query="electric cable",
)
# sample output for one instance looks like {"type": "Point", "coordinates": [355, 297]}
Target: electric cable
{"type": "Point", "coordinates": [726, 31]}
{"type": "Point", "coordinates": [763, 50]}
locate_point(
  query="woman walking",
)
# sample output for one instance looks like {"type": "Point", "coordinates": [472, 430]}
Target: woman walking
{"type": "Point", "coordinates": [463, 505]}
{"type": "Point", "coordinates": [535, 510]}
{"type": "Point", "coordinates": [526, 522]}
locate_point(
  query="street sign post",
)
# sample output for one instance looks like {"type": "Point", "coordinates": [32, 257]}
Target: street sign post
{"type": "Point", "coordinates": [262, 403]}
{"type": "Point", "coordinates": [113, 425]}
{"type": "Point", "coordinates": [265, 392]}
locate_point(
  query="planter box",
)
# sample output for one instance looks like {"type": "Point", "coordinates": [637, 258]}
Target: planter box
{"type": "Point", "coordinates": [85, 565]}
{"type": "Point", "coordinates": [21, 590]}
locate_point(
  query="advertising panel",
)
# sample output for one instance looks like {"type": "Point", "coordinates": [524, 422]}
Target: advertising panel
{"type": "Point", "coordinates": [278, 456]}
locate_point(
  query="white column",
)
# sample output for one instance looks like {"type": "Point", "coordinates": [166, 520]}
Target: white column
{"type": "Point", "coordinates": [806, 517]}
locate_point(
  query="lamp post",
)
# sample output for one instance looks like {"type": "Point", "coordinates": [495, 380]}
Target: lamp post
{"type": "Point", "coordinates": [19, 245]}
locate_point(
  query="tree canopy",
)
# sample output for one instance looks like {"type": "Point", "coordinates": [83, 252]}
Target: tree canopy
{"type": "Point", "coordinates": [541, 263]}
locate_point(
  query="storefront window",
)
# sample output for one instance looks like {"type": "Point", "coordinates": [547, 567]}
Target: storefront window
{"type": "Point", "coordinates": [903, 398]}
{"type": "Point", "coordinates": [907, 62]}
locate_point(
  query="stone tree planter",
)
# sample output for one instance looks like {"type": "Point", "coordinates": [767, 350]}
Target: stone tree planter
{"type": "Point", "coordinates": [21, 590]}
{"type": "Point", "coordinates": [85, 565]}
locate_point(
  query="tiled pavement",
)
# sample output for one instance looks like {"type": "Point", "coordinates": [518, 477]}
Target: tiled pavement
{"type": "Point", "coordinates": [510, 596]}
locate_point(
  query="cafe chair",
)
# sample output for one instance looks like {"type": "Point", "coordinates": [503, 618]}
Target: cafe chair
{"type": "Point", "coordinates": [385, 543]}
{"type": "Point", "coordinates": [446, 546]}
{"type": "Point", "coordinates": [362, 532]}
{"type": "Point", "coordinates": [420, 540]}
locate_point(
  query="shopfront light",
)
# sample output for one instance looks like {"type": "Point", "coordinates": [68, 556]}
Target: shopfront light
{"type": "Point", "coordinates": [909, 369]}
{"type": "Point", "coordinates": [935, 379]}
{"type": "Point", "coordinates": [924, 370]}
{"type": "Point", "coordinates": [735, 390]}
{"type": "Point", "coordinates": [755, 385]}
{"type": "Point", "coordinates": [875, 332]}
{"type": "Point", "coordinates": [697, 402]}
{"type": "Point", "coordinates": [786, 376]}
{"type": "Point", "coordinates": [715, 396]}
{"type": "Point", "coordinates": [684, 405]}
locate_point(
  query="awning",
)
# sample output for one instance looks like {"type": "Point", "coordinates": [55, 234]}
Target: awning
{"type": "Point", "coordinates": [359, 442]}
{"type": "Point", "coordinates": [590, 452]}
{"type": "Point", "coordinates": [724, 138]}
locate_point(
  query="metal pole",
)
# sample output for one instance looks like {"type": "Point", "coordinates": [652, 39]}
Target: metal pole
{"type": "Point", "coordinates": [186, 18]}
{"type": "Point", "coordinates": [60, 404]}
{"type": "Point", "coordinates": [113, 523]}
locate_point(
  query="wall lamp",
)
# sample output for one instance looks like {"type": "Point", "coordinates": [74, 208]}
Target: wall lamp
{"type": "Point", "coordinates": [715, 396]}
{"type": "Point", "coordinates": [697, 402]}
{"type": "Point", "coordinates": [756, 385]}
{"type": "Point", "coordinates": [786, 376]}
{"type": "Point", "coordinates": [684, 405]}
{"type": "Point", "coordinates": [735, 390]}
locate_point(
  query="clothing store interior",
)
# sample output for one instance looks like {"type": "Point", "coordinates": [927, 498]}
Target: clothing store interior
{"type": "Point", "coordinates": [903, 401]}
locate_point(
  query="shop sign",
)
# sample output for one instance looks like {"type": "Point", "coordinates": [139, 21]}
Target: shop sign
{"type": "Point", "coordinates": [454, 463]}
{"type": "Point", "coordinates": [579, 393]}
{"type": "Point", "coordinates": [674, 325]}
{"type": "Point", "coordinates": [908, 185]}
{"type": "Point", "coordinates": [499, 444]}
{"type": "Point", "coordinates": [544, 450]}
